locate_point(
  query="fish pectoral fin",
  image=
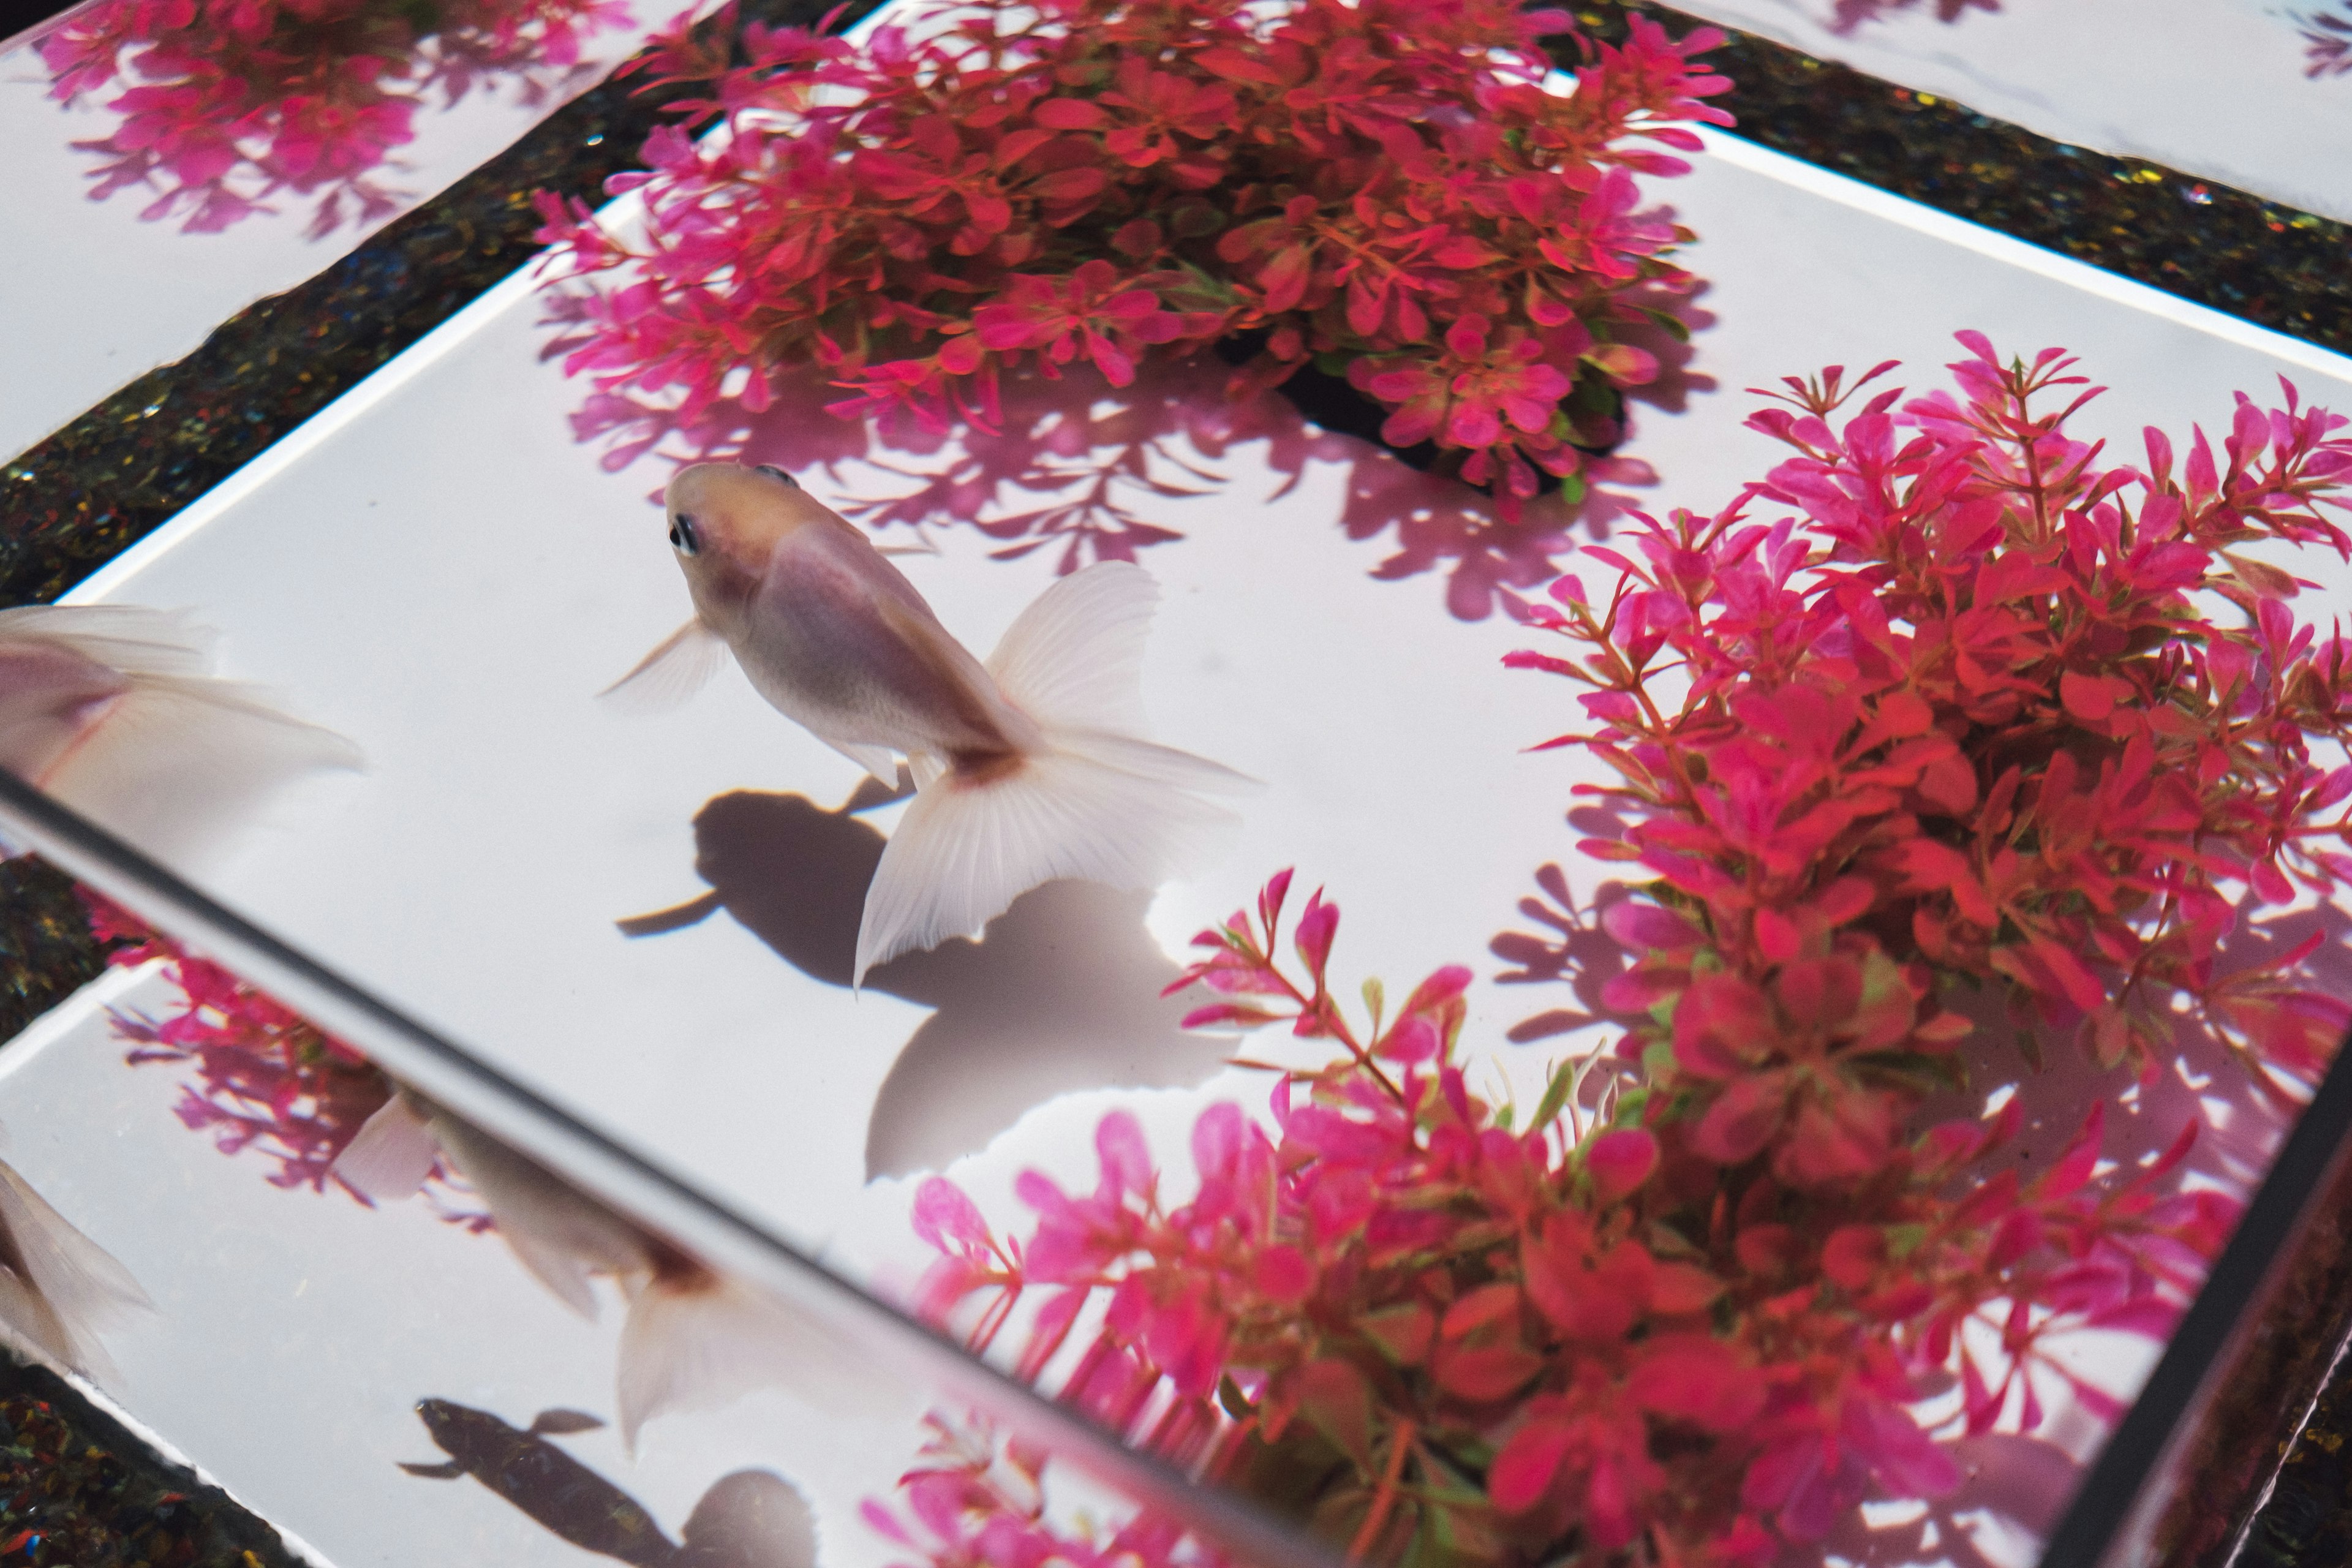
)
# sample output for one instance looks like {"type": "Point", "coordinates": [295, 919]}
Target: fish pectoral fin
{"type": "Point", "coordinates": [879, 761]}
{"type": "Point", "coordinates": [673, 673]}
{"type": "Point", "coordinates": [447, 1470]}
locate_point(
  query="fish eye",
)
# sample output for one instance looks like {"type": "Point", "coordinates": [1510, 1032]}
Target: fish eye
{"type": "Point", "coordinates": [772, 468]}
{"type": "Point", "coordinates": [682, 534]}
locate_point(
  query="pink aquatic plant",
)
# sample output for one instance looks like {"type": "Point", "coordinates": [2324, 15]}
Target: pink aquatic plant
{"type": "Point", "coordinates": [266, 1079]}
{"type": "Point", "coordinates": [226, 103]}
{"type": "Point", "coordinates": [1980, 710]}
{"type": "Point", "coordinates": [1443, 1330]}
{"type": "Point", "coordinates": [1386, 190]}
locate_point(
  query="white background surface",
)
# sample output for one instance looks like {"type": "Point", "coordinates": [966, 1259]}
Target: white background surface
{"type": "Point", "coordinates": [437, 569]}
{"type": "Point", "coordinates": [2212, 88]}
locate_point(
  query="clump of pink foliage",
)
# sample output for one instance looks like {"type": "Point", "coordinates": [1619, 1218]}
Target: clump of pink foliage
{"type": "Point", "coordinates": [266, 1079]}
{"type": "Point", "coordinates": [226, 103]}
{"type": "Point", "coordinates": [1981, 712]}
{"type": "Point", "coordinates": [1384, 189]}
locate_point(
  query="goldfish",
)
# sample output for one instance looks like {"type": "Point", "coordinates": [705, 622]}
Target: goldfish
{"type": "Point", "coordinates": [692, 1338]}
{"type": "Point", "coordinates": [57, 1285]}
{"type": "Point", "coordinates": [1027, 768]}
{"type": "Point", "coordinates": [108, 708]}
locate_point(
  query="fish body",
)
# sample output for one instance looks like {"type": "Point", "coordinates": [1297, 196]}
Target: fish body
{"type": "Point", "coordinates": [108, 708]}
{"type": "Point", "coordinates": [57, 1285]}
{"type": "Point", "coordinates": [1029, 767]}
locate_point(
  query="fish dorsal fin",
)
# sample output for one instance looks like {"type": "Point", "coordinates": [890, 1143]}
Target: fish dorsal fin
{"type": "Point", "coordinates": [666, 678]}
{"type": "Point", "coordinates": [133, 638]}
{"type": "Point", "coordinates": [1074, 658]}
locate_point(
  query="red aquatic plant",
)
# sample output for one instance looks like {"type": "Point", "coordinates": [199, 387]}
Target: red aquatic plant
{"type": "Point", "coordinates": [1443, 1330]}
{"type": "Point", "coordinates": [266, 1079]}
{"type": "Point", "coordinates": [1987, 707]}
{"type": "Point", "coordinates": [1385, 190]}
{"type": "Point", "coordinates": [226, 103]}
{"type": "Point", "coordinates": [1981, 713]}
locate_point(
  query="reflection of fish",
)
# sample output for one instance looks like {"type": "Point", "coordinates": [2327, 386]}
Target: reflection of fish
{"type": "Point", "coordinates": [1026, 769]}
{"type": "Point", "coordinates": [693, 1339]}
{"type": "Point", "coordinates": [107, 708]}
{"type": "Point", "coordinates": [55, 1284]}
{"type": "Point", "coordinates": [751, 1519]}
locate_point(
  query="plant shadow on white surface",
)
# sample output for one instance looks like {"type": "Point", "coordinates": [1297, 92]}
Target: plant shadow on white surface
{"type": "Point", "coordinates": [1061, 994]}
{"type": "Point", "coordinates": [1097, 473]}
{"type": "Point", "coordinates": [751, 1519]}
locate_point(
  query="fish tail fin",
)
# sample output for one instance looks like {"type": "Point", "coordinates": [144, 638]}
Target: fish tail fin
{"type": "Point", "coordinates": [1094, 801]}
{"type": "Point", "coordinates": [695, 1340]}
{"type": "Point", "coordinates": [177, 752]}
{"type": "Point", "coordinates": [68, 1286]}
{"type": "Point", "coordinates": [390, 1156]}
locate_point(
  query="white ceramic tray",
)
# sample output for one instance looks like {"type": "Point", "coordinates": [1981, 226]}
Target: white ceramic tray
{"type": "Point", "coordinates": [437, 568]}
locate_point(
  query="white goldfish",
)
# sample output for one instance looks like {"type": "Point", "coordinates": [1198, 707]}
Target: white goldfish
{"type": "Point", "coordinates": [1026, 769]}
{"type": "Point", "coordinates": [693, 1339]}
{"type": "Point", "coordinates": [108, 708]}
{"type": "Point", "coordinates": [57, 1285]}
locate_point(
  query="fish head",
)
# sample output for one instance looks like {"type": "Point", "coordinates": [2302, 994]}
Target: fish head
{"type": "Point", "coordinates": [725, 522]}
{"type": "Point", "coordinates": [458, 1431]}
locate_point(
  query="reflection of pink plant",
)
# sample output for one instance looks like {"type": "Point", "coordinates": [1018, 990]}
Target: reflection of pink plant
{"type": "Point", "coordinates": [267, 1077]}
{"type": "Point", "coordinates": [2327, 41]}
{"type": "Point", "coordinates": [234, 100]}
{"type": "Point", "coordinates": [1852, 14]}
{"type": "Point", "coordinates": [1383, 187]}
{"type": "Point", "coordinates": [978, 1501]}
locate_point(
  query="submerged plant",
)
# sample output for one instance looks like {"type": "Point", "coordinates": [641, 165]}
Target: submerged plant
{"type": "Point", "coordinates": [1384, 189]}
{"type": "Point", "coordinates": [226, 103]}
{"type": "Point", "coordinates": [1983, 713]}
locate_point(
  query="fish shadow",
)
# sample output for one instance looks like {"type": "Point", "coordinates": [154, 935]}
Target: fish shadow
{"type": "Point", "coordinates": [751, 1519]}
{"type": "Point", "coordinates": [1061, 993]}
